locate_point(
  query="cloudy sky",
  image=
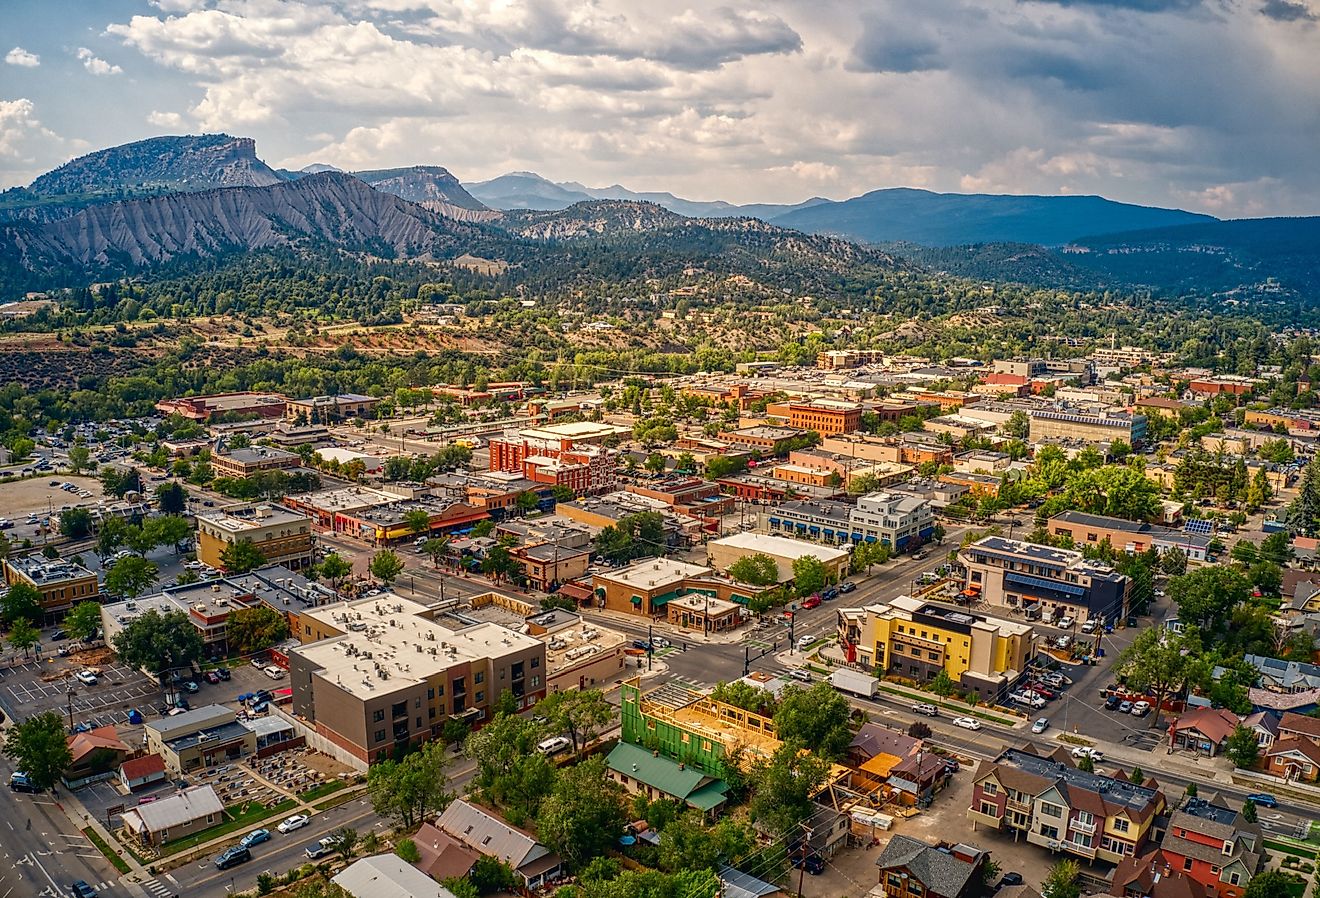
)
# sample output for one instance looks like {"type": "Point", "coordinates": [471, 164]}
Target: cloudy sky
{"type": "Point", "coordinates": [1211, 105]}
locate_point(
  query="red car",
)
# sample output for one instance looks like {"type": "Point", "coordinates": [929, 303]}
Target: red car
{"type": "Point", "coordinates": [1043, 691]}
{"type": "Point", "coordinates": [811, 602]}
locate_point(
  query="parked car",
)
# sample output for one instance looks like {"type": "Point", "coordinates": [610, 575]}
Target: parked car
{"type": "Point", "coordinates": [1041, 725]}
{"type": "Point", "coordinates": [58, 635]}
{"type": "Point", "coordinates": [1263, 800]}
{"type": "Point", "coordinates": [1011, 879]}
{"type": "Point", "coordinates": [289, 824]}
{"type": "Point", "coordinates": [239, 854]}
{"type": "Point", "coordinates": [1085, 751]}
{"type": "Point", "coordinates": [811, 602]}
{"type": "Point", "coordinates": [847, 586]}
{"type": "Point", "coordinates": [19, 782]}
{"type": "Point", "coordinates": [256, 837]}
{"type": "Point", "coordinates": [86, 677]}
{"type": "Point", "coordinates": [211, 677]}
{"type": "Point", "coordinates": [967, 723]}
{"type": "Point", "coordinates": [926, 708]}
{"type": "Point", "coordinates": [811, 863]}
{"type": "Point", "coordinates": [320, 848]}
{"type": "Point", "coordinates": [554, 745]}
{"type": "Point", "coordinates": [191, 686]}
{"type": "Point", "coordinates": [80, 889]}
{"type": "Point", "coordinates": [260, 707]}
{"type": "Point", "coordinates": [800, 675]}
{"type": "Point", "coordinates": [1089, 627]}
{"type": "Point", "coordinates": [223, 673]}
{"type": "Point", "coordinates": [275, 673]}
{"type": "Point", "coordinates": [829, 592]}
{"type": "Point", "coordinates": [1043, 691]}
{"type": "Point", "coordinates": [1066, 623]}
{"type": "Point", "coordinates": [1140, 709]}
{"type": "Point", "coordinates": [1124, 707]}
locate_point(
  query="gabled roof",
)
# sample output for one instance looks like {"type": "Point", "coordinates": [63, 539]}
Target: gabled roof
{"type": "Point", "coordinates": [939, 871]}
{"type": "Point", "coordinates": [873, 739]}
{"type": "Point", "coordinates": [482, 831]}
{"type": "Point", "coordinates": [1300, 724]}
{"type": "Point", "coordinates": [83, 744]}
{"type": "Point", "coordinates": [440, 855]}
{"type": "Point", "coordinates": [1151, 876]}
{"type": "Point", "coordinates": [188, 805]}
{"type": "Point", "coordinates": [1215, 724]}
{"type": "Point", "coordinates": [388, 876]}
{"type": "Point", "coordinates": [684, 782]}
{"type": "Point", "coordinates": [1299, 744]}
{"type": "Point", "coordinates": [139, 768]}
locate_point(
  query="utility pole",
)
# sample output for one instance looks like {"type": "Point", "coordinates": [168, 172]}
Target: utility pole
{"type": "Point", "coordinates": [650, 645]}
{"type": "Point", "coordinates": [806, 844]}
{"type": "Point", "coordinates": [70, 694]}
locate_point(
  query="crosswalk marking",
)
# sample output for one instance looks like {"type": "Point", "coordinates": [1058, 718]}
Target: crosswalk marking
{"type": "Point", "coordinates": [156, 888]}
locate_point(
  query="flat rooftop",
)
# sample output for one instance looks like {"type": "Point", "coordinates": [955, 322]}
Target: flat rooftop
{"type": "Point", "coordinates": [388, 645]}
{"type": "Point", "coordinates": [350, 498]}
{"type": "Point", "coordinates": [780, 546]}
{"type": "Point", "coordinates": [259, 454]}
{"type": "Point", "coordinates": [253, 517]}
{"type": "Point", "coordinates": [573, 430]}
{"type": "Point", "coordinates": [570, 646]}
{"type": "Point", "coordinates": [653, 572]}
{"type": "Point", "coordinates": [43, 571]}
{"type": "Point", "coordinates": [1114, 791]}
{"type": "Point", "coordinates": [703, 603]}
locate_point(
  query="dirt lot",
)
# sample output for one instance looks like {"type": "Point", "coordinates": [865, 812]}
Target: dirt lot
{"type": "Point", "coordinates": [22, 497]}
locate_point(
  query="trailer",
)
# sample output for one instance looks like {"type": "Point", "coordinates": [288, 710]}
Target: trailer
{"type": "Point", "coordinates": [856, 682]}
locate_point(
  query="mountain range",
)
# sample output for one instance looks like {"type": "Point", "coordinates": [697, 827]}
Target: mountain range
{"type": "Point", "coordinates": [157, 201]}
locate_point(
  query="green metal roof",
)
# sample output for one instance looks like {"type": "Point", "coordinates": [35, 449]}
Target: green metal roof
{"type": "Point", "coordinates": [685, 783]}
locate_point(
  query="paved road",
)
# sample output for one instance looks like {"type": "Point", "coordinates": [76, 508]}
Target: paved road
{"type": "Point", "coordinates": [47, 858]}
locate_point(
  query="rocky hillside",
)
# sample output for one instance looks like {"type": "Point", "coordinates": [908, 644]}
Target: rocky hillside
{"type": "Point", "coordinates": [422, 183]}
{"type": "Point", "coordinates": [151, 167]}
{"type": "Point", "coordinates": [327, 208]}
{"type": "Point", "coordinates": [594, 218]}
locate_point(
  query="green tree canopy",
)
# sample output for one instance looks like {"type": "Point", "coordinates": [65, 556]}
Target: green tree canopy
{"type": "Point", "coordinates": [241, 556]}
{"type": "Point", "coordinates": [581, 713]}
{"type": "Point", "coordinates": [159, 642]}
{"type": "Point", "coordinates": [818, 716]}
{"type": "Point", "coordinates": [1207, 596]}
{"type": "Point", "coordinates": [784, 784]}
{"type": "Point", "coordinates": [40, 748]}
{"type": "Point", "coordinates": [757, 569]}
{"type": "Point", "coordinates": [131, 576]}
{"type": "Point", "coordinates": [386, 566]}
{"type": "Point", "coordinates": [335, 567]}
{"type": "Point", "coordinates": [171, 498]}
{"type": "Point", "coordinates": [21, 602]}
{"type": "Point", "coordinates": [410, 790]}
{"type": "Point", "coordinates": [75, 523]}
{"type": "Point", "coordinates": [809, 575]}
{"type": "Point", "coordinates": [1242, 748]}
{"type": "Point", "coordinates": [584, 813]}
{"type": "Point", "coordinates": [511, 773]}
{"type": "Point", "coordinates": [252, 629]}
{"type": "Point", "coordinates": [1158, 662]}
{"type": "Point", "coordinates": [83, 620]}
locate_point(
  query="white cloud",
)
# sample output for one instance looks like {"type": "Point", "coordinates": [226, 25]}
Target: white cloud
{"type": "Point", "coordinates": [165, 119]}
{"type": "Point", "coordinates": [95, 64]}
{"type": "Point", "coordinates": [24, 142]}
{"type": "Point", "coordinates": [1156, 101]}
{"type": "Point", "coordinates": [20, 57]}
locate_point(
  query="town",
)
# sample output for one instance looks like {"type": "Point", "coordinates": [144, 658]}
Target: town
{"type": "Point", "coordinates": [866, 624]}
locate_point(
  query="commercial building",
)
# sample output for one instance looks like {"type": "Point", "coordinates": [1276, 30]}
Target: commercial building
{"type": "Point", "coordinates": [569, 454]}
{"type": "Point", "coordinates": [686, 495]}
{"type": "Point", "coordinates": [377, 516]}
{"type": "Point", "coordinates": [895, 519]}
{"type": "Point", "coordinates": [646, 587]}
{"type": "Point", "coordinates": [281, 536]}
{"type": "Point", "coordinates": [326, 409]}
{"type": "Point", "coordinates": [547, 565]}
{"type": "Point", "coordinates": [909, 868]}
{"type": "Point", "coordinates": [1215, 846]}
{"type": "Point", "coordinates": [227, 405]}
{"type": "Point", "coordinates": [703, 613]}
{"type": "Point", "coordinates": [825, 416]}
{"type": "Point", "coordinates": [190, 811]}
{"type": "Point", "coordinates": [1133, 537]}
{"type": "Point", "coordinates": [1227, 384]}
{"type": "Point", "coordinates": [1043, 581]}
{"type": "Point", "coordinates": [917, 639]}
{"type": "Point", "coordinates": [61, 583]}
{"type": "Point", "coordinates": [202, 737]}
{"type": "Point", "coordinates": [376, 675]}
{"type": "Point", "coordinates": [1102, 426]}
{"type": "Point", "coordinates": [724, 552]}
{"type": "Point", "coordinates": [246, 462]}
{"type": "Point", "coordinates": [578, 655]}
{"type": "Point", "coordinates": [1061, 808]}
{"type": "Point", "coordinates": [764, 438]}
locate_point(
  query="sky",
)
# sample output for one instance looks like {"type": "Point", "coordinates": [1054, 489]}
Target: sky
{"type": "Point", "coordinates": [1209, 105]}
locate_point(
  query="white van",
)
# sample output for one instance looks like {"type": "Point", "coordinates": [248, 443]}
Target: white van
{"type": "Point", "coordinates": [554, 745]}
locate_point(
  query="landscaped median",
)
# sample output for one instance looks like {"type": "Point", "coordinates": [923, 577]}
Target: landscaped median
{"type": "Point", "coordinates": [110, 854]}
{"type": "Point", "coordinates": [960, 709]}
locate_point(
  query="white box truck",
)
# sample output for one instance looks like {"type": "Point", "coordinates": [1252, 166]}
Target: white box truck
{"type": "Point", "coordinates": [855, 681]}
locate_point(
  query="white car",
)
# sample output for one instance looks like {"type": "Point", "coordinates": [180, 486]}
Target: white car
{"type": "Point", "coordinates": [86, 677]}
{"type": "Point", "coordinates": [297, 821]}
{"type": "Point", "coordinates": [1041, 725]}
{"type": "Point", "coordinates": [1085, 751]}
{"type": "Point", "coordinates": [967, 723]}
{"type": "Point", "coordinates": [1065, 623]}
{"type": "Point", "coordinates": [275, 673]}
{"type": "Point", "coordinates": [1140, 709]}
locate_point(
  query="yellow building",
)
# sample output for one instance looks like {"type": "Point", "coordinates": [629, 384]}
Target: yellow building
{"type": "Point", "coordinates": [61, 583]}
{"type": "Point", "coordinates": [280, 535]}
{"type": "Point", "coordinates": [915, 639]}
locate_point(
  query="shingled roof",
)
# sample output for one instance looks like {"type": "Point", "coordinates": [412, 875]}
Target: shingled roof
{"type": "Point", "coordinates": [936, 868]}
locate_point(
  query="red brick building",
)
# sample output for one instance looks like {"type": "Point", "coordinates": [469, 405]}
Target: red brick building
{"type": "Point", "coordinates": [568, 455]}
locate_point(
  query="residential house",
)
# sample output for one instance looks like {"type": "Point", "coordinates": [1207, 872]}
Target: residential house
{"type": "Point", "coordinates": [1204, 731]}
{"type": "Point", "coordinates": [1293, 758]}
{"type": "Point", "coordinates": [1265, 724]}
{"type": "Point", "coordinates": [1292, 724]}
{"type": "Point", "coordinates": [1151, 876]}
{"type": "Point", "coordinates": [482, 831]}
{"type": "Point", "coordinates": [138, 773]}
{"type": "Point", "coordinates": [909, 868]}
{"type": "Point", "coordinates": [94, 756]}
{"type": "Point", "coordinates": [387, 876]}
{"type": "Point", "coordinates": [1285, 676]}
{"type": "Point", "coordinates": [1215, 846]}
{"type": "Point", "coordinates": [190, 811]}
{"type": "Point", "coordinates": [441, 856]}
{"type": "Point", "coordinates": [643, 772]}
{"type": "Point", "coordinates": [1059, 807]}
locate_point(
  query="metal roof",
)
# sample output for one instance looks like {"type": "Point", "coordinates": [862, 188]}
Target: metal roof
{"type": "Point", "coordinates": [388, 876]}
{"type": "Point", "coordinates": [188, 805]}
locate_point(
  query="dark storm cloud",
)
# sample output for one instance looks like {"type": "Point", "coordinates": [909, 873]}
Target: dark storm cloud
{"type": "Point", "coordinates": [883, 50]}
{"type": "Point", "coordinates": [1287, 11]}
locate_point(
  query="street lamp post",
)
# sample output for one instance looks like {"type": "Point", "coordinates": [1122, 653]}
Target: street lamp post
{"type": "Point", "coordinates": [70, 693]}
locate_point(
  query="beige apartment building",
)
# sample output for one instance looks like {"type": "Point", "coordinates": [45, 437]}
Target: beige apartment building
{"type": "Point", "coordinates": [280, 535]}
{"type": "Point", "coordinates": [377, 675]}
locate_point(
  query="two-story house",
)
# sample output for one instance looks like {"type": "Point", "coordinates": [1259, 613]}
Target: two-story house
{"type": "Point", "coordinates": [1215, 846]}
{"type": "Point", "coordinates": [909, 868]}
{"type": "Point", "coordinates": [1061, 808]}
